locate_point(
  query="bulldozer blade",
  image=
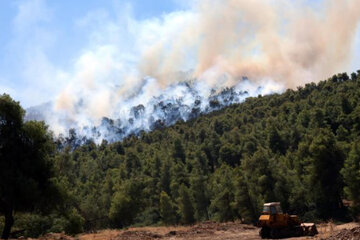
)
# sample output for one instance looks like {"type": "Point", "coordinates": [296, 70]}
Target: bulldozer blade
{"type": "Point", "coordinates": [309, 229]}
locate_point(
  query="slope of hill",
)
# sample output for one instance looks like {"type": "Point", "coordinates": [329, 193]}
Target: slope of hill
{"type": "Point", "coordinates": [144, 111]}
{"type": "Point", "coordinates": [300, 148]}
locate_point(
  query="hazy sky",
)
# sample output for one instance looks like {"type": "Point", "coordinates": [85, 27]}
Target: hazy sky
{"type": "Point", "coordinates": [43, 41]}
{"type": "Point", "coordinates": [40, 39]}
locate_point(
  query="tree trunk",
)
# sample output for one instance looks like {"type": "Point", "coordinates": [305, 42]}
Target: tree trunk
{"type": "Point", "coordinates": [9, 221]}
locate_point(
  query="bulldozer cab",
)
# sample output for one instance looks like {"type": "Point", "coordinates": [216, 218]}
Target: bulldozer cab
{"type": "Point", "coordinates": [273, 216]}
{"type": "Point", "coordinates": [272, 208]}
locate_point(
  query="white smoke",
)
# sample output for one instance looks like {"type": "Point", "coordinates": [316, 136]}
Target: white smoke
{"type": "Point", "coordinates": [153, 107]}
{"type": "Point", "coordinates": [278, 44]}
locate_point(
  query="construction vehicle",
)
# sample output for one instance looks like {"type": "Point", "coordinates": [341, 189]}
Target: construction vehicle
{"type": "Point", "coordinates": [276, 224]}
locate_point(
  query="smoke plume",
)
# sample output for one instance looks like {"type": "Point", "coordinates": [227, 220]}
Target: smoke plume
{"type": "Point", "coordinates": [277, 44]}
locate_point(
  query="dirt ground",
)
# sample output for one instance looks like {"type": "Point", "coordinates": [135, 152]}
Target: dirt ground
{"type": "Point", "coordinates": [207, 231]}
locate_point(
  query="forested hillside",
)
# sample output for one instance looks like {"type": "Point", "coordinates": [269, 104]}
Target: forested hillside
{"type": "Point", "coordinates": [301, 148]}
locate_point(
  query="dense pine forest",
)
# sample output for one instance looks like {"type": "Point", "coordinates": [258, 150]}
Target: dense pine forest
{"type": "Point", "coordinates": [301, 148]}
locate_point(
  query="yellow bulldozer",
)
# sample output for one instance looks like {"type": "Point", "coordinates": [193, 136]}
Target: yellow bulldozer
{"type": "Point", "coordinates": [276, 224]}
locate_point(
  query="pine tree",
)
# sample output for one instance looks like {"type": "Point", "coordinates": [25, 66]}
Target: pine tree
{"type": "Point", "coordinates": [165, 177]}
{"type": "Point", "coordinates": [167, 209]}
{"type": "Point", "coordinates": [178, 151]}
{"type": "Point", "coordinates": [186, 209]}
{"type": "Point", "coordinates": [259, 176]}
{"type": "Point", "coordinates": [199, 193]}
{"type": "Point", "coordinates": [126, 203]}
{"type": "Point", "coordinates": [275, 141]}
{"type": "Point", "coordinates": [223, 196]}
{"type": "Point", "coordinates": [351, 175]}
{"type": "Point", "coordinates": [246, 202]}
{"type": "Point", "coordinates": [323, 173]}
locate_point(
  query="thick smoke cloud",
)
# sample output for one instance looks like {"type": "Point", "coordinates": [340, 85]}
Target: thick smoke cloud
{"type": "Point", "coordinates": [285, 40]}
{"type": "Point", "coordinates": [275, 43]}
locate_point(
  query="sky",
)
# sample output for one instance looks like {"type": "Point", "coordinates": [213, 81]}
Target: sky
{"type": "Point", "coordinates": [46, 45]}
{"type": "Point", "coordinates": [40, 39]}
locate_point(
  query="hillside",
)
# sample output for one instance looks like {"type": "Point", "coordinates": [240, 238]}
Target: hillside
{"type": "Point", "coordinates": [300, 148]}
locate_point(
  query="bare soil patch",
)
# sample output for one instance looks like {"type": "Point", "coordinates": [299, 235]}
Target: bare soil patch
{"type": "Point", "coordinates": [207, 231]}
{"type": "Point", "coordinates": [346, 234]}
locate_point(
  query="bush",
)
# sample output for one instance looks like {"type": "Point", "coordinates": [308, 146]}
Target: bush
{"type": "Point", "coordinates": [33, 225]}
{"type": "Point", "coordinates": [74, 223]}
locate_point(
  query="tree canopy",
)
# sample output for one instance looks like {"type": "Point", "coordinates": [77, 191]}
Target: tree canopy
{"type": "Point", "coordinates": [26, 171]}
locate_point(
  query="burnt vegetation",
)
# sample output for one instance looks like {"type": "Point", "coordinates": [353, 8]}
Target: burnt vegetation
{"type": "Point", "coordinates": [300, 148]}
